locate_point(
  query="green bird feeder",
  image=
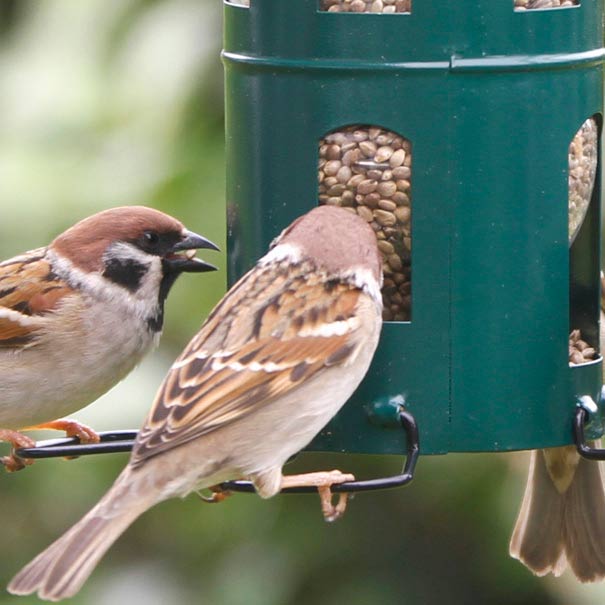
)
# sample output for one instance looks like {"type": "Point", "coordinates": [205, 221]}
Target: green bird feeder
{"type": "Point", "coordinates": [467, 135]}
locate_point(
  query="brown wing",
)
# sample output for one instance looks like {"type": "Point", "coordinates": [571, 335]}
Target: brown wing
{"type": "Point", "coordinates": [263, 339]}
{"type": "Point", "coordinates": [28, 291]}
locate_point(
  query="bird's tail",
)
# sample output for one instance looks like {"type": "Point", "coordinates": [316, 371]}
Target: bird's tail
{"type": "Point", "coordinates": [60, 571]}
{"type": "Point", "coordinates": [560, 526]}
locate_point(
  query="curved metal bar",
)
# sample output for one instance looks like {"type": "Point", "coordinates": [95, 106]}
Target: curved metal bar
{"type": "Point", "coordinates": [407, 474]}
{"type": "Point", "coordinates": [590, 453]}
{"type": "Point", "coordinates": [111, 442]}
{"type": "Point", "coordinates": [122, 441]}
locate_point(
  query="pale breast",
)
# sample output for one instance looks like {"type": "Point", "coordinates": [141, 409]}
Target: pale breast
{"type": "Point", "coordinates": [85, 350]}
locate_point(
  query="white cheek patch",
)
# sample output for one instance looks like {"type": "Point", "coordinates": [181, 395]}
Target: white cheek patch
{"type": "Point", "coordinates": [143, 303]}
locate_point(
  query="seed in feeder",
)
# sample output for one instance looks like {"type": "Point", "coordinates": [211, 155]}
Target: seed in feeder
{"type": "Point", "coordinates": [402, 184]}
{"type": "Point", "coordinates": [332, 167]}
{"type": "Point", "coordinates": [401, 172]}
{"type": "Point", "coordinates": [383, 154]}
{"type": "Point", "coordinates": [375, 174]}
{"type": "Point", "coordinates": [386, 188]}
{"type": "Point", "coordinates": [395, 262]}
{"type": "Point", "coordinates": [351, 156]}
{"type": "Point", "coordinates": [402, 213]}
{"type": "Point", "coordinates": [333, 152]}
{"type": "Point", "coordinates": [371, 200]}
{"type": "Point", "coordinates": [384, 218]}
{"type": "Point", "coordinates": [400, 198]}
{"type": "Point", "coordinates": [387, 205]}
{"type": "Point", "coordinates": [386, 248]}
{"type": "Point", "coordinates": [397, 158]}
{"type": "Point", "coordinates": [354, 181]}
{"type": "Point", "coordinates": [577, 357]}
{"type": "Point", "coordinates": [368, 148]}
{"type": "Point", "coordinates": [348, 198]}
{"type": "Point", "coordinates": [367, 186]}
{"type": "Point", "coordinates": [365, 213]}
{"type": "Point", "coordinates": [344, 174]}
{"type": "Point", "coordinates": [337, 189]}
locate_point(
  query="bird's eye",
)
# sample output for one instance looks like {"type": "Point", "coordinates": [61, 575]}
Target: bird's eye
{"type": "Point", "coordinates": [151, 238]}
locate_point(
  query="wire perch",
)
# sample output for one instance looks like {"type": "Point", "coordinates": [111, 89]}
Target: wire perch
{"type": "Point", "coordinates": [585, 450]}
{"type": "Point", "coordinates": [123, 441]}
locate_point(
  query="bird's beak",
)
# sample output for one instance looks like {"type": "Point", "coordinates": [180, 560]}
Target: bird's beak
{"type": "Point", "coordinates": [187, 261]}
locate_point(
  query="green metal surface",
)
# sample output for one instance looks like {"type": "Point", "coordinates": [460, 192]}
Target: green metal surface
{"type": "Point", "coordinates": [490, 99]}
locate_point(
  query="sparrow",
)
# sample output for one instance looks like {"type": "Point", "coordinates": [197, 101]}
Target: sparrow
{"type": "Point", "coordinates": [275, 360]}
{"type": "Point", "coordinates": [562, 517]}
{"type": "Point", "coordinates": [79, 314]}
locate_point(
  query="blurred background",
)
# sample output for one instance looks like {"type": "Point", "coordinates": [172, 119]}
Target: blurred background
{"type": "Point", "coordinates": [113, 102]}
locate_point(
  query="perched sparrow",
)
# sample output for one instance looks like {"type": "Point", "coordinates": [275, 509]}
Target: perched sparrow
{"type": "Point", "coordinates": [79, 314]}
{"type": "Point", "coordinates": [275, 360]}
{"type": "Point", "coordinates": [562, 517]}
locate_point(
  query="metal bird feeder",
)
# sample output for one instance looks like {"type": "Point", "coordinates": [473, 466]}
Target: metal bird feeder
{"type": "Point", "coordinates": [467, 134]}
{"type": "Point", "coordinates": [490, 234]}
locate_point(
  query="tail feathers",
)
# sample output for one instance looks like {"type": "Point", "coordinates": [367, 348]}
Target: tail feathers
{"type": "Point", "coordinates": [554, 529]}
{"type": "Point", "coordinates": [60, 571]}
{"type": "Point", "coordinates": [584, 523]}
{"type": "Point", "coordinates": [537, 539]}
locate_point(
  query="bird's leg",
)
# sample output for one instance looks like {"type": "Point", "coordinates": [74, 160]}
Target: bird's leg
{"type": "Point", "coordinates": [323, 481]}
{"type": "Point", "coordinates": [72, 428]}
{"type": "Point", "coordinates": [12, 462]}
{"type": "Point", "coordinates": [218, 495]}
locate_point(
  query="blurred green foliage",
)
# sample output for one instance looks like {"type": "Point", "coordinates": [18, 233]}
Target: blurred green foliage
{"type": "Point", "coordinates": [113, 102]}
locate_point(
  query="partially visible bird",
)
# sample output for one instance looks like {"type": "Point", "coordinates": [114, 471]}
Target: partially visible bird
{"type": "Point", "coordinates": [79, 314]}
{"type": "Point", "coordinates": [274, 361]}
{"type": "Point", "coordinates": [562, 517]}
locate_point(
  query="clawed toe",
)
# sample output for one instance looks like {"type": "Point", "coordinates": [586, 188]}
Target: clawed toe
{"type": "Point", "coordinates": [323, 481]}
{"type": "Point", "coordinates": [218, 495]}
{"type": "Point", "coordinates": [330, 511]}
{"type": "Point", "coordinates": [12, 462]}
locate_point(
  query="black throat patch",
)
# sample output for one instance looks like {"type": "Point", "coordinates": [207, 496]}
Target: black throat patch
{"type": "Point", "coordinates": [125, 272]}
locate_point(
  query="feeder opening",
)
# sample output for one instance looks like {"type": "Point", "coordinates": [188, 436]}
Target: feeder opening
{"type": "Point", "coordinates": [367, 170]}
{"type": "Point", "coordinates": [582, 159]}
{"type": "Point", "coordinates": [525, 5]}
{"type": "Point", "coordinates": [582, 168]}
{"type": "Point", "coordinates": [366, 6]}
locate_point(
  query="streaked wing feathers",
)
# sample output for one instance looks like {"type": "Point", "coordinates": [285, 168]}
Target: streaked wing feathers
{"type": "Point", "coordinates": [292, 331]}
{"type": "Point", "coordinates": [28, 290]}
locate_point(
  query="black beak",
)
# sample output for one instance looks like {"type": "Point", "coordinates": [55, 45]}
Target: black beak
{"type": "Point", "coordinates": [179, 263]}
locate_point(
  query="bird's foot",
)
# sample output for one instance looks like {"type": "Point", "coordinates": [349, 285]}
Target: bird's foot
{"type": "Point", "coordinates": [218, 495]}
{"type": "Point", "coordinates": [12, 462]}
{"type": "Point", "coordinates": [323, 481]}
{"type": "Point", "coordinates": [72, 428]}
